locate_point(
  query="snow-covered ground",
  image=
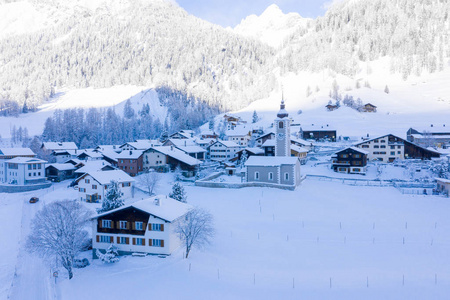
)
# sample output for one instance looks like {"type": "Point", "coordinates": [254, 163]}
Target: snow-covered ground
{"type": "Point", "coordinates": [370, 242]}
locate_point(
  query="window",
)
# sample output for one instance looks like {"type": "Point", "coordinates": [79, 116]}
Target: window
{"type": "Point", "coordinates": [344, 155]}
{"type": "Point", "coordinates": [123, 224]}
{"type": "Point", "coordinates": [382, 141]}
{"type": "Point", "coordinates": [34, 166]}
{"type": "Point", "coordinates": [375, 141]}
{"type": "Point", "coordinates": [39, 173]}
{"type": "Point", "coordinates": [156, 243]}
{"type": "Point", "coordinates": [365, 146]}
{"type": "Point", "coordinates": [270, 176]}
{"type": "Point", "coordinates": [392, 147]}
{"type": "Point", "coordinates": [376, 146]}
{"type": "Point", "coordinates": [82, 190]}
{"type": "Point", "coordinates": [280, 125]}
{"type": "Point", "coordinates": [29, 167]}
{"type": "Point", "coordinates": [106, 223]}
{"type": "Point", "coordinates": [139, 241]}
{"type": "Point", "coordinates": [383, 146]}
{"type": "Point", "coordinates": [286, 176]}
{"type": "Point", "coordinates": [29, 174]}
{"type": "Point", "coordinates": [39, 166]}
{"type": "Point", "coordinates": [94, 186]}
{"type": "Point", "coordinates": [399, 147]}
{"type": "Point", "coordinates": [356, 170]}
{"type": "Point", "coordinates": [106, 239]}
{"type": "Point", "coordinates": [392, 152]}
{"type": "Point", "coordinates": [256, 175]}
{"type": "Point", "coordinates": [357, 156]}
{"type": "Point", "coordinates": [34, 173]}
{"type": "Point", "coordinates": [138, 225]}
{"type": "Point", "coordinates": [157, 227]}
{"type": "Point", "coordinates": [122, 240]}
{"type": "Point", "coordinates": [399, 152]}
{"type": "Point", "coordinates": [87, 181]}
{"type": "Point", "coordinates": [126, 184]}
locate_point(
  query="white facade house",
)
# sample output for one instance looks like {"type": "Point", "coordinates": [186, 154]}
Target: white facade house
{"type": "Point", "coordinates": [92, 186]}
{"type": "Point", "coordinates": [145, 226]}
{"type": "Point", "coordinates": [240, 135]}
{"type": "Point", "coordinates": [22, 171]}
{"type": "Point", "coordinates": [58, 146]}
{"type": "Point", "coordinates": [223, 150]}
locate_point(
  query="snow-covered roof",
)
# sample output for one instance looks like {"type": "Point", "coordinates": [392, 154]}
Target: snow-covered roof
{"type": "Point", "coordinates": [168, 208]}
{"type": "Point", "coordinates": [181, 142]}
{"type": "Point", "coordinates": [265, 134]}
{"type": "Point", "coordinates": [107, 147]}
{"type": "Point", "coordinates": [62, 167]}
{"type": "Point", "coordinates": [93, 166]}
{"type": "Point", "coordinates": [238, 131]}
{"type": "Point", "coordinates": [105, 177]}
{"type": "Point", "coordinates": [313, 127]}
{"type": "Point", "coordinates": [443, 180]}
{"type": "Point", "coordinates": [129, 154]}
{"type": "Point", "coordinates": [377, 138]}
{"type": "Point", "coordinates": [191, 149]}
{"type": "Point", "coordinates": [177, 154]}
{"type": "Point", "coordinates": [435, 129]}
{"type": "Point", "coordinates": [75, 161]}
{"type": "Point", "coordinates": [254, 150]}
{"type": "Point", "coordinates": [24, 160]}
{"type": "Point", "coordinates": [356, 149]}
{"type": "Point", "coordinates": [270, 161]}
{"type": "Point", "coordinates": [60, 146]}
{"type": "Point", "coordinates": [299, 149]}
{"type": "Point", "coordinates": [200, 141]}
{"type": "Point", "coordinates": [228, 144]}
{"type": "Point", "coordinates": [301, 141]}
{"type": "Point", "coordinates": [90, 153]}
{"type": "Point", "coordinates": [111, 154]}
{"type": "Point", "coordinates": [16, 152]}
{"type": "Point", "coordinates": [269, 143]}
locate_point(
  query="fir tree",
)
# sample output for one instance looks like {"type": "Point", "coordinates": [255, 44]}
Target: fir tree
{"type": "Point", "coordinates": [178, 193]}
{"type": "Point", "coordinates": [110, 256]}
{"type": "Point", "coordinates": [113, 197]}
{"type": "Point", "coordinates": [386, 90]}
{"type": "Point", "coordinates": [255, 117]}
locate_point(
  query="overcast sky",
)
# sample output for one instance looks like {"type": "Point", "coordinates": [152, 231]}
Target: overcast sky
{"type": "Point", "coordinates": [231, 12]}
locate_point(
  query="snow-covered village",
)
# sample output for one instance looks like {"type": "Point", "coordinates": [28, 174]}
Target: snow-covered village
{"type": "Point", "coordinates": [284, 150]}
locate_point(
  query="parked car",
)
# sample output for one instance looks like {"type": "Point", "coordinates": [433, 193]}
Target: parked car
{"type": "Point", "coordinates": [34, 199]}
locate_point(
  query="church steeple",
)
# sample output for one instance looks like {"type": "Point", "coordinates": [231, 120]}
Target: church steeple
{"type": "Point", "coordinates": [283, 132]}
{"type": "Point", "coordinates": [282, 113]}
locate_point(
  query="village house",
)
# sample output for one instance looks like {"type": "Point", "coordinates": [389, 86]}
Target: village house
{"type": "Point", "coordinates": [249, 151]}
{"type": "Point", "coordinates": [145, 226]}
{"type": "Point", "coordinates": [299, 152]}
{"type": "Point", "coordinates": [14, 173]}
{"type": "Point", "coordinates": [240, 135]}
{"type": "Point", "coordinates": [89, 155]}
{"type": "Point", "coordinates": [388, 148]}
{"type": "Point", "coordinates": [23, 171]}
{"type": "Point", "coordinates": [209, 134]}
{"type": "Point", "coordinates": [223, 150]}
{"type": "Point", "coordinates": [232, 121]}
{"type": "Point", "coordinates": [92, 166]}
{"type": "Point", "coordinates": [434, 135]}
{"type": "Point", "coordinates": [61, 156]}
{"type": "Point", "coordinates": [443, 186]}
{"type": "Point", "coordinates": [263, 138]}
{"type": "Point", "coordinates": [331, 107]}
{"type": "Point", "coordinates": [58, 146]}
{"type": "Point", "coordinates": [350, 160]}
{"type": "Point", "coordinates": [318, 133]}
{"type": "Point", "coordinates": [204, 142]}
{"type": "Point", "coordinates": [93, 186]}
{"type": "Point", "coordinates": [165, 158]}
{"type": "Point", "coordinates": [182, 134]}
{"type": "Point", "coordinates": [131, 161]}
{"type": "Point", "coordinates": [139, 145]}
{"type": "Point", "coordinates": [188, 146]}
{"type": "Point", "coordinates": [59, 172]}
{"type": "Point", "coordinates": [369, 108]}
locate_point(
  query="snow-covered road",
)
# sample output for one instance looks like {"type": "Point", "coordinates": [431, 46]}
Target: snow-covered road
{"type": "Point", "coordinates": [33, 278]}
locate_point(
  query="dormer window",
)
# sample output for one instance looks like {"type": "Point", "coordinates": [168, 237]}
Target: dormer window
{"type": "Point", "coordinates": [280, 125]}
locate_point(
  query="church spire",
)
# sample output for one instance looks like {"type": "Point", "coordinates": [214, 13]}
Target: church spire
{"type": "Point", "coordinates": [282, 113]}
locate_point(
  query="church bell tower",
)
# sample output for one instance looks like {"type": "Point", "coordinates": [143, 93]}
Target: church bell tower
{"type": "Point", "coordinates": [283, 132]}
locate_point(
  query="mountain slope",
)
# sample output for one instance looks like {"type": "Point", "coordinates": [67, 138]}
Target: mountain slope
{"type": "Point", "coordinates": [139, 42]}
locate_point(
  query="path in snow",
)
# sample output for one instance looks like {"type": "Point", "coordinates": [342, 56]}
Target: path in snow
{"type": "Point", "coordinates": [32, 278]}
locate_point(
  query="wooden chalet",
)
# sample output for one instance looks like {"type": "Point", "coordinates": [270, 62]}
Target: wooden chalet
{"type": "Point", "coordinates": [369, 108]}
{"type": "Point", "coordinates": [350, 160]}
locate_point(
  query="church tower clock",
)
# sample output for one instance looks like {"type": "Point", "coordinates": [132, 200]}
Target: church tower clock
{"type": "Point", "coordinates": [283, 132]}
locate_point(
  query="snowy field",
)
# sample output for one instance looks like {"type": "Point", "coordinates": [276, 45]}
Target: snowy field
{"type": "Point", "coordinates": [324, 240]}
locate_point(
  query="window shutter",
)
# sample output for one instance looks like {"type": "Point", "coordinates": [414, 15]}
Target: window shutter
{"type": "Point", "coordinates": [133, 225]}
{"type": "Point", "coordinates": [149, 226]}
{"type": "Point", "coordinates": [117, 224]}
{"type": "Point", "coordinates": [144, 225]}
{"type": "Point", "coordinates": [162, 243]}
{"type": "Point", "coordinates": [111, 239]}
{"type": "Point", "coordinates": [112, 224]}
{"type": "Point", "coordinates": [127, 240]}
{"type": "Point", "coordinates": [100, 223]}
{"type": "Point", "coordinates": [98, 238]}
{"type": "Point", "coordinates": [118, 240]}
{"type": "Point", "coordinates": [162, 227]}
{"type": "Point", "coordinates": [128, 225]}
{"type": "Point", "coordinates": [150, 242]}
{"type": "Point", "coordinates": [143, 242]}
{"type": "Point", "coordinates": [134, 241]}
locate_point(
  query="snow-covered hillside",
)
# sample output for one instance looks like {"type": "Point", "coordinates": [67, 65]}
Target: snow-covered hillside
{"type": "Point", "coordinates": [272, 26]}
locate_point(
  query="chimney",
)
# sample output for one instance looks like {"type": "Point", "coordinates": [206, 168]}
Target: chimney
{"type": "Point", "coordinates": [158, 202]}
{"type": "Point", "coordinates": [171, 148]}
{"type": "Point", "coordinates": [431, 125]}
{"type": "Point", "coordinates": [131, 152]}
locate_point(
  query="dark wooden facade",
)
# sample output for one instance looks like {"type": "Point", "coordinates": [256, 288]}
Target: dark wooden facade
{"type": "Point", "coordinates": [131, 166]}
{"type": "Point", "coordinates": [348, 158]}
{"type": "Point", "coordinates": [414, 151]}
{"type": "Point", "coordinates": [318, 135]}
{"type": "Point", "coordinates": [57, 175]}
{"type": "Point", "coordinates": [130, 215]}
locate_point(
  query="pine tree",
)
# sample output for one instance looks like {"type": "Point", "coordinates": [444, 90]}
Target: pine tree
{"type": "Point", "coordinates": [113, 197]}
{"type": "Point", "coordinates": [255, 117]}
{"type": "Point", "coordinates": [178, 193]}
{"type": "Point", "coordinates": [128, 111]}
{"type": "Point", "coordinates": [386, 90]}
{"type": "Point", "coordinates": [110, 256]}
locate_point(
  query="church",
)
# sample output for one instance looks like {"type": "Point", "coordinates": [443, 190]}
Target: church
{"type": "Point", "coordinates": [281, 169]}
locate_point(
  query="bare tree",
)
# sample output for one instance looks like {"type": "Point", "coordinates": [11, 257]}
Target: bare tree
{"type": "Point", "coordinates": [58, 232]}
{"type": "Point", "coordinates": [149, 180]}
{"type": "Point", "coordinates": [196, 229]}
